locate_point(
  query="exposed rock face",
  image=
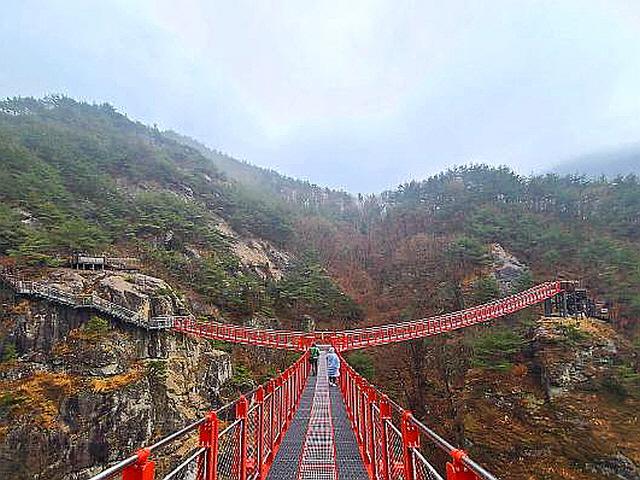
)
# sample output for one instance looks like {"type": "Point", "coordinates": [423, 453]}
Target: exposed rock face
{"type": "Point", "coordinates": [507, 268]}
{"type": "Point", "coordinates": [573, 353]}
{"type": "Point", "coordinates": [81, 392]}
{"type": "Point", "coordinates": [255, 253]}
{"type": "Point", "coordinates": [147, 295]}
{"type": "Point", "coordinates": [567, 409]}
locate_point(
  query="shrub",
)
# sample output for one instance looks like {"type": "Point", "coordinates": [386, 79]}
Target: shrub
{"type": "Point", "coordinates": [157, 369]}
{"type": "Point", "coordinates": [496, 348]}
{"type": "Point", "coordinates": [363, 364]}
{"type": "Point", "coordinates": [485, 289]}
{"type": "Point", "coordinates": [572, 334]}
{"type": "Point", "coordinates": [622, 382]}
{"type": "Point", "coordinates": [9, 352]}
{"type": "Point", "coordinates": [96, 325]}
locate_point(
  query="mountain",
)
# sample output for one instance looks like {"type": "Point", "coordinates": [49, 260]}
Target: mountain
{"type": "Point", "coordinates": [238, 243]}
{"type": "Point", "coordinates": [300, 195]}
{"type": "Point", "coordinates": [84, 178]}
{"type": "Point", "coordinates": [611, 163]}
{"type": "Point", "coordinates": [544, 385]}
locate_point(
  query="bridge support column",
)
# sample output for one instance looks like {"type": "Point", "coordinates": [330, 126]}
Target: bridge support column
{"type": "Point", "coordinates": [143, 469]}
{"type": "Point", "coordinates": [410, 440]}
{"type": "Point", "coordinates": [209, 440]}
{"type": "Point", "coordinates": [241, 414]}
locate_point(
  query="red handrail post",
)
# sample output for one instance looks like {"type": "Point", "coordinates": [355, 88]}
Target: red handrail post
{"type": "Point", "coordinates": [385, 416]}
{"type": "Point", "coordinates": [242, 408]}
{"type": "Point", "coordinates": [260, 438]}
{"type": "Point", "coordinates": [143, 469]}
{"type": "Point", "coordinates": [410, 440]}
{"type": "Point", "coordinates": [209, 440]}
{"type": "Point", "coordinates": [371, 436]}
{"type": "Point", "coordinates": [457, 470]}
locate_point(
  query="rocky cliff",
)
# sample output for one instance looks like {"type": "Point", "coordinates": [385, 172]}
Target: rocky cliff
{"type": "Point", "coordinates": [78, 391]}
{"type": "Point", "coordinates": [567, 409]}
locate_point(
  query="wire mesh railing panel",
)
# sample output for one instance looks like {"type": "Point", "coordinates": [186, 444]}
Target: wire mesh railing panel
{"type": "Point", "coordinates": [395, 452]}
{"type": "Point", "coordinates": [423, 470]}
{"type": "Point", "coordinates": [191, 468]}
{"type": "Point", "coordinates": [267, 434]}
{"type": "Point", "coordinates": [277, 416]}
{"type": "Point", "coordinates": [253, 431]}
{"type": "Point", "coordinates": [229, 452]}
{"type": "Point", "coordinates": [378, 426]}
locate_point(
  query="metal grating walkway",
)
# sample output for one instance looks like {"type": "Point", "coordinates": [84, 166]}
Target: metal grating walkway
{"type": "Point", "coordinates": [320, 443]}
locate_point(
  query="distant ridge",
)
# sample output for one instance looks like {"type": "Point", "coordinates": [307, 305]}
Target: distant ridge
{"type": "Point", "coordinates": [268, 183]}
{"type": "Point", "coordinates": [610, 163]}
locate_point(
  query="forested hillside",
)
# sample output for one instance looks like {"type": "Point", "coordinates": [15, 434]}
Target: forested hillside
{"type": "Point", "coordinates": [268, 185]}
{"type": "Point", "coordinates": [246, 244]}
{"type": "Point", "coordinates": [79, 177]}
{"type": "Point", "coordinates": [516, 392]}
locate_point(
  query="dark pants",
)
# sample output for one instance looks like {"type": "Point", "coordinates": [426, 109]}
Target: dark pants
{"type": "Point", "coordinates": [314, 365]}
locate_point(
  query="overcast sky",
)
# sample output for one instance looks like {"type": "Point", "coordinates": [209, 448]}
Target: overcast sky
{"type": "Point", "coordinates": [358, 95]}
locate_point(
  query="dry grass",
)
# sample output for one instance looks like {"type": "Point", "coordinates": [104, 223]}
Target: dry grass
{"type": "Point", "coordinates": [117, 382]}
{"type": "Point", "coordinates": [40, 396]}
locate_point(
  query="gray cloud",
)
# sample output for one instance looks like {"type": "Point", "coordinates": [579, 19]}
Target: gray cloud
{"type": "Point", "coordinates": [360, 95]}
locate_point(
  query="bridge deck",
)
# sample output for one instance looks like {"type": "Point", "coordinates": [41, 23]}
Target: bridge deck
{"type": "Point", "coordinates": [320, 443]}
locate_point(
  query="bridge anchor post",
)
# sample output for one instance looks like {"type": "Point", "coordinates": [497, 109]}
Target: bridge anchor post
{"type": "Point", "coordinates": [457, 470]}
{"type": "Point", "coordinates": [209, 440]}
{"type": "Point", "coordinates": [242, 408]}
{"type": "Point", "coordinates": [143, 469]}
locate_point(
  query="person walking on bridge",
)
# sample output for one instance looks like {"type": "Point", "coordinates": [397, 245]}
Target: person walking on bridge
{"type": "Point", "coordinates": [333, 366]}
{"type": "Point", "coordinates": [314, 354]}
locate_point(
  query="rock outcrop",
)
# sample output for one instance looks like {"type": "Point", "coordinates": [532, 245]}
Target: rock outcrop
{"type": "Point", "coordinates": [506, 268]}
{"type": "Point", "coordinates": [78, 391]}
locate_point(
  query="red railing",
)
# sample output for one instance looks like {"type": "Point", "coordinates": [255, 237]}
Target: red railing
{"type": "Point", "coordinates": [371, 336]}
{"type": "Point", "coordinates": [241, 447]}
{"type": "Point", "coordinates": [426, 327]}
{"type": "Point", "coordinates": [260, 337]}
{"type": "Point", "coordinates": [393, 442]}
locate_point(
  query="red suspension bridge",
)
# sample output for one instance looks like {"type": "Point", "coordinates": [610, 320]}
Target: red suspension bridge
{"type": "Point", "coordinates": [370, 336]}
{"type": "Point", "coordinates": [297, 426]}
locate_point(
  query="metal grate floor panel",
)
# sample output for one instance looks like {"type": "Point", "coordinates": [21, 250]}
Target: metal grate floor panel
{"type": "Point", "coordinates": [320, 443]}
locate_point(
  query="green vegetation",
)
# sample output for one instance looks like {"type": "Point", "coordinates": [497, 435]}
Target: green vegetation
{"type": "Point", "coordinates": [241, 380]}
{"type": "Point", "coordinates": [9, 352]}
{"type": "Point", "coordinates": [572, 334]}
{"type": "Point", "coordinates": [222, 346]}
{"type": "Point", "coordinates": [8, 400]}
{"type": "Point", "coordinates": [80, 177]}
{"type": "Point", "coordinates": [309, 290]}
{"type": "Point", "coordinates": [580, 227]}
{"type": "Point", "coordinates": [623, 382]}
{"type": "Point", "coordinates": [362, 363]}
{"type": "Point", "coordinates": [157, 369]}
{"type": "Point", "coordinates": [84, 176]}
{"type": "Point", "coordinates": [485, 289]}
{"type": "Point", "coordinates": [96, 326]}
{"type": "Point", "coordinates": [496, 348]}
